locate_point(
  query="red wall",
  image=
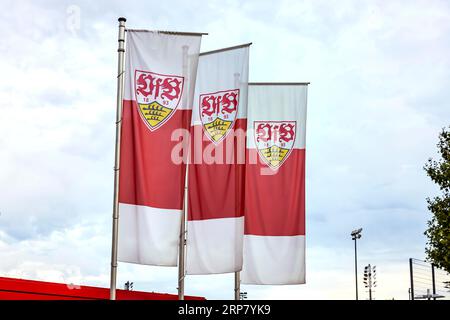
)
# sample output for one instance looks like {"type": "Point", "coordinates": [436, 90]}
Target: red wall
{"type": "Point", "coordinates": [19, 289]}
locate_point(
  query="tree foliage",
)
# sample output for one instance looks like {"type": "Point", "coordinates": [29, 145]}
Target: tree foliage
{"type": "Point", "coordinates": [438, 232]}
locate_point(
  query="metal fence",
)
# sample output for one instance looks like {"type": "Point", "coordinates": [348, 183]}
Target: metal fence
{"type": "Point", "coordinates": [427, 281]}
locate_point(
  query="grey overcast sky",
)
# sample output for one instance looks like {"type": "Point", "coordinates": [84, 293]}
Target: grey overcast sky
{"type": "Point", "coordinates": [380, 79]}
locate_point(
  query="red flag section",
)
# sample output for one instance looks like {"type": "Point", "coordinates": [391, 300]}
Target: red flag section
{"type": "Point", "coordinates": [278, 199]}
{"type": "Point", "coordinates": [148, 176]}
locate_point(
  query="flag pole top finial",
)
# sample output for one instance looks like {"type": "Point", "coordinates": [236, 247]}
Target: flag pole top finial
{"type": "Point", "coordinates": [122, 19]}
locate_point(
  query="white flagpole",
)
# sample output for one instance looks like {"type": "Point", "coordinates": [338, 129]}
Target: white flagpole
{"type": "Point", "coordinates": [120, 86]}
{"type": "Point", "coordinates": [237, 274]}
{"type": "Point", "coordinates": [182, 242]}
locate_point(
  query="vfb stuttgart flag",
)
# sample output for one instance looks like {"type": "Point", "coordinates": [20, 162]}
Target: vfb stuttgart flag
{"type": "Point", "coordinates": [159, 82]}
{"type": "Point", "coordinates": [274, 240]}
{"type": "Point", "coordinates": [215, 226]}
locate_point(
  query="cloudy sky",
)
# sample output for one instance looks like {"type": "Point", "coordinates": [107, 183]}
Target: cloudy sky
{"type": "Point", "coordinates": [379, 73]}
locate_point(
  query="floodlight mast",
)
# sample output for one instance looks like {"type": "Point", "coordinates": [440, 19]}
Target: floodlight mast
{"type": "Point", "coordinates": [370, 278]}
{"type": "Point", "coordinates": [356, 234]}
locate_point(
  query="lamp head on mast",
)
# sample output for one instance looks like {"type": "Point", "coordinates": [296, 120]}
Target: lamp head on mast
{"type": "Point", "coordinates": [356, 234]}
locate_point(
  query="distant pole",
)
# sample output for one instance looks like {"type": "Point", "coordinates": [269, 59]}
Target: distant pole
{"type": "Point", "coordinates": [356, 270]}
{"type": "Point", "coordinates": [120, 86]}
{"type": "Point", "coordinates": [434, 281]}
{"type": "Point", "coordinates": [411, 277]}
{"type": "Point", "coordinates": [356, 234]}
{"type": "Point", "coordinates": [370, 282]}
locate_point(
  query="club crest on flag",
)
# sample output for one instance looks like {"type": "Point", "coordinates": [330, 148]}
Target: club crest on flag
{"type": "Point", "coordinates": [157, 96]}
{"type": "Point", "coordinates": [274, 141]}
{"type": "Point", "coordinates": [218, 112]}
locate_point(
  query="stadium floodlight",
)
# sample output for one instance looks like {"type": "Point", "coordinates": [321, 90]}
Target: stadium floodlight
{"type": "Point", "coordinates": [370, 279]}
{"type": "Point", "coordinates": [128, 286]}
{"type": "Point", "coordinates": [356, 234]}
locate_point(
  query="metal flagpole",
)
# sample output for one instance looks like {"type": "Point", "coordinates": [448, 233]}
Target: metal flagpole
{"type": "Point", "coordinates": [237, 274]}
{"type": "Point", "coordinates": [237, 285]}
{"type": "Point", "coordinates": [182, 242]}
{"type": "Point", "coordinates": [120, 85]}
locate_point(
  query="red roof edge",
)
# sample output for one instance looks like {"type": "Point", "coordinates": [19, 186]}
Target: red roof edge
{"type": "Point", "coordinates": [21, 289]}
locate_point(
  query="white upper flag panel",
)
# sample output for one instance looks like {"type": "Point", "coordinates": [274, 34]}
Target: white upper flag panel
{"type": "Point", "coordinates": [163, 55]}
{"type": "Point", "coordinates": [220, 73]}
{"type": "Point", "coordinates": [273, 102]}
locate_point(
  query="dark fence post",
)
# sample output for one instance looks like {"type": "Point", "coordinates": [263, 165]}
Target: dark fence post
{"type": "Point", "coordinates": [411, 277]}
{"type": "Point", "coordinates": [433, 279]}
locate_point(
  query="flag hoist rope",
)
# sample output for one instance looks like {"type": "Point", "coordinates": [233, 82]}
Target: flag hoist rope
{"type": "Point", "coordinates": [115, 224]}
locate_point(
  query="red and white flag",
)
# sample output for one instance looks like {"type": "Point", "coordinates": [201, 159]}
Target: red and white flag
{"type": "Point", "coordinates": [215, 225]}
{"type": "Point", "coordinates": [159, 83]}
{"type": "Point", "coordinates": [274, 240]}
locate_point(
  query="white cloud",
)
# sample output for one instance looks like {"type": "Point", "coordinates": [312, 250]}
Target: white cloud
{"type": "Point", "coordinates": [378, 97]}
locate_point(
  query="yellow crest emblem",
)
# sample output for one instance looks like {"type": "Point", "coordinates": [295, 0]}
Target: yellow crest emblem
{"type": "Point", "coordinates": [157, 96]}
{"type": "Point", "coordinates": [218, 112]}
{"type": "Point", "coordinates": [274, 141]}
